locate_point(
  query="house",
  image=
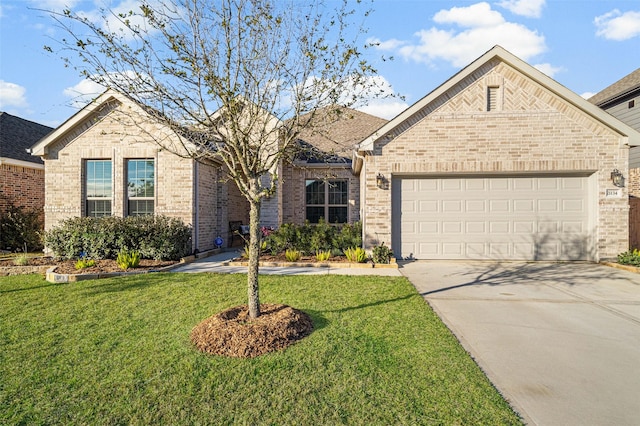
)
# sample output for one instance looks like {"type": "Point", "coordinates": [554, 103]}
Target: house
{"type": "Point", "coordinates": [114, 158]}
{"type": "Point", "coordinates": [499, 162]}
{"type": "Point", "coordinates": [21, 175]}
{"type": "Point", "coordinates": [622, 100]}
{"type": "Point", "coordinates": [103, 161]}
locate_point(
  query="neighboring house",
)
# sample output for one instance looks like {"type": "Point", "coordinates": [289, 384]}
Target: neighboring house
{"type": "Point", "coordinates": [21, 174]}
{"type": "Point", "coordinates": [499, 162]}
{"type": "Point", "coordinates": [622, 100]}
{"type": "Point", "coordinates": [104, 161]}
{"type": "Point", "coordinates": [319, 182]}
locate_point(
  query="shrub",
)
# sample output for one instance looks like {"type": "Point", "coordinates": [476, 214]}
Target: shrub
{"type": "Point", "coordinates": [20, 229]}
{"type": "Point", "coordinates": [292, 255]}
{"type": "Point", "coordinates": [128, 259]}
{"type": "Point", "coordinates": [155, 237]}
{"type": "Point", "coordinates": [381, 254]}
{"type": "Point", "coordinates": [631, 257]}
{"type": "Point", "coordinates": [21, 260]}
{"type": "Point", "coordinates": [356, 254]}
{"type": "Point", "coordinates": [310, 239]}
{"type": "Point", "coordinates": [323, 256]}
{"type": "Point", "coordinates": [85, 263]}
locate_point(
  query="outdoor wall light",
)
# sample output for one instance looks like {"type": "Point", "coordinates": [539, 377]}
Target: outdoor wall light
{"type": "Point", "coordinates": [380, 180]}
{"type": "Point", "coordinates": [617, 178]}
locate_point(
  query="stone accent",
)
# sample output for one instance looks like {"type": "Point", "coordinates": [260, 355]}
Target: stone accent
{"type": "Point", "coordinates": [533, 131]}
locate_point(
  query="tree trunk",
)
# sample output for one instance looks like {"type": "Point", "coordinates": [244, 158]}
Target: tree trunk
{"type": "Point", "coordinates": [254, 258]}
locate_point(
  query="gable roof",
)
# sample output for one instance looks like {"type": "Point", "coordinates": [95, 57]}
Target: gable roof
{"type": "Point", "coordinates": [415, 112]}
{"type": "Point", "coordinates": [70, 124]}
{"type": "Point", "coordinates": [335, 134]}
{"type": "Point", "coordinates": [17, 135]}
{"type": "Point", "coordinates": [620, 89]}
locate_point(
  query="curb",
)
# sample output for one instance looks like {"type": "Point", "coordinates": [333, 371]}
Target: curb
{"type": "Point", "coordinates": [628, 268]}
{"type": "Point", "coordinates": [334, 265]}
{"type": "Point", "coordinates": [53, 277]}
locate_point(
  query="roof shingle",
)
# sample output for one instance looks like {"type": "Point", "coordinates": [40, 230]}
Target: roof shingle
{"type": "Point", "coordinates": [625, 85]}
{"type": "Point", "coordinates": [17, 135]}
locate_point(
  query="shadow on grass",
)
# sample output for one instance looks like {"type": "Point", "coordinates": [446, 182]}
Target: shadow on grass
{"type": "Point", "coordinates": [15, 290]}
{"type": "Point", "coordinates": [319, 320]}
{"type": "Point", "coordinates": [529, 273]}
{"type": "Point", "coordinates": [133, 282]}
{"type": "Point", "coordinates": [371, 304]}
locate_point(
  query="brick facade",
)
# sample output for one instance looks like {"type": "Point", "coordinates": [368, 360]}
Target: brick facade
{"type": "Point", "coordinates": [533, 131]}
{"type": "Point", "coordinates": [294, 207]}
{"type": "Point", "coordinates": [22, 186]}
{"type": "Point", "coordinates": [184, 189]}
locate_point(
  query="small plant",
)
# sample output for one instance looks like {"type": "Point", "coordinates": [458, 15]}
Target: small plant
{"type": "Point", "coordinates": [83, 263]}
{"type": "Point", "coordinates": [356, 254]}
{"type": "Point", "coordinates": [128, 259]}
{"type": "Point", "coordinates": [21, 260]}
{"type": "Point", "coordinates": [323, 256]}
{"type": "Point", "coordinates": [381, 254]}
{"type": "Point", "coordinates": [245, 252]}
{"type": "Point", "coordinates": [292, 255]}
{"type": "Point", "coordinates": [631, 257]}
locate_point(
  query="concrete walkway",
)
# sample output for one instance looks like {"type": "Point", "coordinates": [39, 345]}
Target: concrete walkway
{"type": "Point", "coordinates": [561, 341]}
{"type": "Point", "coordinates": [216, 264]}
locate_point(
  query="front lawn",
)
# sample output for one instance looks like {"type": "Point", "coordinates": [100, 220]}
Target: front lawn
{"type": "Point", "coordinates": [117, 351]}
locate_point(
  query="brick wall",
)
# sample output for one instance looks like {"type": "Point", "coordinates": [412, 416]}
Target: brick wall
{"type": "Point", "coordinates": [21, 186]}
{"type": "Point", "coordinates": [533, 131]}
{"type": "Point", "coordinates": [117, 133]}
{"type": "Point", "coordinates": [293, 203]}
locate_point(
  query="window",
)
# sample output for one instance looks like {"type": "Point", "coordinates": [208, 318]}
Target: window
{"type": "Point", "coordinates": [327, 199]}
{"type": "Point", "coordinates": [632, 103]}
{"type": "Point", "coordinates": [98, 187]}
{"type": "Point", "coordinates": [140, 187]}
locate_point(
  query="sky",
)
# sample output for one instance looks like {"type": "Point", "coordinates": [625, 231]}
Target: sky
{"type": "Point", "coordinates": [585, 45]}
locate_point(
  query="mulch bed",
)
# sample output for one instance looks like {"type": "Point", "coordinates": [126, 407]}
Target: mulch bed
{"type": "Point", "coordinates": [41, 264]}
{"type": "Point", "coordinates": [232, 333]}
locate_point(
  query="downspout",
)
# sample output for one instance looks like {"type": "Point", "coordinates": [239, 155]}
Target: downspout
{"type": "Point", "coordinates": [363, 191]}
{"type": "Point", "coordinates": [196, 196]}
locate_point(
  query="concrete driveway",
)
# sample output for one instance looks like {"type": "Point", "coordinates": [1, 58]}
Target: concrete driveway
{"type": "Point", "coordinates": [561, 341]}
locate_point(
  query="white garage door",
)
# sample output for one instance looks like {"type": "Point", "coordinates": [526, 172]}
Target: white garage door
{"type": "Point", "coordinates": [530, 218]}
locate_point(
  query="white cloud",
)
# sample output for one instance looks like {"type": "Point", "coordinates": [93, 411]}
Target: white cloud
{"type": "Point", "coordinates": [379, 98]}
{"type": "Point", "coordinates": [83, 92]}
{"type": "Point", "coordinates": [476, 15]}
{"type": "Point", "coordinates": [483, 28]}
{"type": "Point", "coordinates": [384, 109]}
{"type": "Point", "coordinates": [55, 5]}
{"type": "Point", "coordinates": [618, 26]}
{"type": "Point", "coordinates": [549, 69]}
{"type": "Point", "coordinates": [12, 95]}
{"type": "Point", "coordinates": [587, 95]}
{"type": "Point", "coordinates": [528, 8]}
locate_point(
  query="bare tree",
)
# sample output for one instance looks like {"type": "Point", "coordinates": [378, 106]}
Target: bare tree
{"type": "Point", "coordinates": [229, 77]}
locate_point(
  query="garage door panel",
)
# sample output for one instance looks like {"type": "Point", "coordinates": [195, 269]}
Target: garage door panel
{"type": "Point", "coordinates": [534, 218]}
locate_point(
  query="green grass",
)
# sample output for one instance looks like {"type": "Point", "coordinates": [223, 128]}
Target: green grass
{"type": "Point", "coordinates": [117, 351]}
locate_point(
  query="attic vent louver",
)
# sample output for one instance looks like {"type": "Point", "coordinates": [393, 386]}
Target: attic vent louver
{"type": "Point", "coordinates": [492, 98]}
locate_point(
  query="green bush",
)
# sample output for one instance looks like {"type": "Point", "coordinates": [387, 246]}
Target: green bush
{"type": "Point", "coordinates": [154, 237]}
{"type": "Point", "coordinates": [292, 255]}
{"type": "Point", "coordinates": [128, 259]}
{"type": "Point", "coordinates": [21, 260]}
{"type": "Point", "coordinates": [309, 239]}
{"type": "Point", "coordinates": [20, 229]}
{"type": "Point", "coordinates": [323, 256]}
{"type": "Point", "coordinates": [381, 254]}
{"type": "Point", "coordinates": [85, 263]}
{"type": "Point", "coordinates": [356, 254]}
{"type": "Point", "coordinates": [631, 257]}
